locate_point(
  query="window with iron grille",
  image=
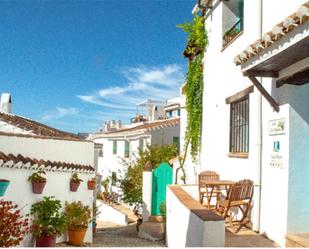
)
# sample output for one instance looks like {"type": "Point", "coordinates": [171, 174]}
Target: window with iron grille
{"type": "Point", "coordinates": [239, 126]}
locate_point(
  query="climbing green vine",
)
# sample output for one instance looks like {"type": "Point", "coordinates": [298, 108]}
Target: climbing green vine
{"type": "Point", "coordinates": [193, 89]}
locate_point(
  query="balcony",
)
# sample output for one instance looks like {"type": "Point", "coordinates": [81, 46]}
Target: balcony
{"type": "Point", "coordinates": [232, 33]}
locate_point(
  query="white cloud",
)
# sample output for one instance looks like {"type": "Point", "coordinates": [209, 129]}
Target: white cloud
{"type": "Point", "coordinates": [59, 112]}
{"type": "Point", "coordinates": [157, 83]}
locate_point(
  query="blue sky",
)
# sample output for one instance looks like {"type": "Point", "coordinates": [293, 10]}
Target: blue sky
{"type": "Point", "coordinates": [74, 64]}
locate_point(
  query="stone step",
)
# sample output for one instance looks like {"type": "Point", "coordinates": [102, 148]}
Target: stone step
{"type": "Point", "coordinates": [131, 216]}
{"type": "Point", "coordinates": [152, 231]}
{"type": "Point", "coordinates": [156, 218]}
{"type": "Point", "coordinates": [297, 240]}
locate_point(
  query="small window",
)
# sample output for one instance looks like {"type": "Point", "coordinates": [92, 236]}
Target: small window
{"type": "Point", "coordinates": [101, 152]}
{"type": "Point", "coordinates": [126, 149]}
{"type": "Point", "coordinates": [177, 143]}
{"type": "Point", "coordinates": [239, 126]}
{"type": "Point", "coordinates": [232, 20]}
{"type": "Point", "coordinates": [141, 144]}
{"type": "Point", "coordinates": [114, 178]}
{"type": "Point", "coordinates": [178, 112]}
{"type": "Point", "coordinates": [114, 147]}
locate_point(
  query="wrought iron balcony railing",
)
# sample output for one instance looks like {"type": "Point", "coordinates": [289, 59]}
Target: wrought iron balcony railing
{"type": "Point", "coordinates": [232, 32]}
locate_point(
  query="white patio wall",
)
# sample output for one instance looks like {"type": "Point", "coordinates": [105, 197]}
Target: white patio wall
{"type": "Point", "coordinates": [186, 229]}
{"type": "Point", "coordinates": [20, 190]}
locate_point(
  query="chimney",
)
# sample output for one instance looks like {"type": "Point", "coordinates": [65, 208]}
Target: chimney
{"type": "Point", "coordinates": [118, 124]}
{"type": "Point", "coordinates": [6, 103]}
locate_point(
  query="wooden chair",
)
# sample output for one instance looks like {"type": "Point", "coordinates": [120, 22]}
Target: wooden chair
{"type": "Point", "coordinates": [204, 191]}
{"type": "Point", "coordinates": [240, 195]}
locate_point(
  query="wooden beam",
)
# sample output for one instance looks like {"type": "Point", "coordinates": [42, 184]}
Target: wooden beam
{"type": "Point", "coordinates": [258, 73]}
{"type": "Point", "coordinates": [239, 95]}
{"type": "Point", "coordinates": [262, 90]}
{"type": "Point", "coordinates": [298, 78]}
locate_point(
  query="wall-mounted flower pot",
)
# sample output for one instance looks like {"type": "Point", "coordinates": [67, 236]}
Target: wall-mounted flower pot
{"type": "Point", "coordinates": [76, 237]}
{"type": "Point", "coordinates": [74, 186]}
{"type": "Point", "coordinates": [91, 185]}
{"type": "Point", "coordinates": [46, 241]}
{"type": "Point", "coordinates": [3, 186]}
{"type": "Point", "coordinates": [37, 187]}
{"type": "Point", "coordinates": [94, 227]}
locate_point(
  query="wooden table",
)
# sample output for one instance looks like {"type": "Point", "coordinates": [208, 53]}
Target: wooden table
{"type": "Point", "coordinates": [218, 185]}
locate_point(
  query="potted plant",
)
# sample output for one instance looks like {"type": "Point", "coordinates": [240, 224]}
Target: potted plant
{"type": "Point", "coordinates": [75, 182]}
{"type": "Point", "coordinates": [38, 181]}
{"type": "Point", "coordinates": [48, 222]}
{"type": "Point", "coordinates": [92, 183]}
{"type": "Point", "coordinates": [78, 217]}
{"type": "Point", "coordinates": [3, 186]}
{"type": "Point", "coordinates": [13, 225]}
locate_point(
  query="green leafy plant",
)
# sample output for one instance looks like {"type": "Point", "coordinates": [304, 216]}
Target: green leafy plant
{"type": "Point", "coordinates": [75, 178]}
{"type": "Point", "coordinates": [163, 210]}
{"type": "Point", "coordinates": [132, 184]}
{"type": "Point", "coordinates": [13, 225]}
{"type": "Point", "coordinates": [48, 219]}
{"type": "Point", "coordinates": [105, 184]}
{"type": "Point", "coordinates": [78, 215]}
{"type": "Point", "coordinates": [193, 89]}
{"type": "Point", "coordinates": [37, 177]}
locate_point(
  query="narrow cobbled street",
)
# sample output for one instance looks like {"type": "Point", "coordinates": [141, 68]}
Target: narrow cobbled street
{"type": "Point", "coordinates": [111, 235]}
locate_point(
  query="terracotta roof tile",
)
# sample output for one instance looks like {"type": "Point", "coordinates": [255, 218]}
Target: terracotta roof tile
{"type": "Point", "coordinates": [36, 127]}
{"type": "Point", "coordinates": [277, 32]}
{"type": "Point", "coordinates": [35, 163]}
{"type": "Point", "coordinates": [149, 125]}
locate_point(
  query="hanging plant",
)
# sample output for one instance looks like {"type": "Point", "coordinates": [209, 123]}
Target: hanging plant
{"type": "Point", "coordinates": [196, 43]}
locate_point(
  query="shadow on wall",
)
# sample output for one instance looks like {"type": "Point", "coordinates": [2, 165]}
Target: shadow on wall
{"type": "Point", "coordinates": [195, 231]}
{"type": "Point", "coordinates": [295, 96]}
{"type": "Point", "coordinates": [146, 210]}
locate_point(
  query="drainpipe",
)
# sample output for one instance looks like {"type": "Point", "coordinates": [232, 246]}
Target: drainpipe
{"type": "Point", "coordinates": [258, 145]}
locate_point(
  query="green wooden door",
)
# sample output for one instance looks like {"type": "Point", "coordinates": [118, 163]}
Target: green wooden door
{"type": "Point", "coordinates": [162, 176]}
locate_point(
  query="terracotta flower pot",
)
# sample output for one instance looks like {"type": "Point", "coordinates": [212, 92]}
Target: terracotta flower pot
{"type": "Point", "coordinates": [37, 187]}
{"type": "Point", "coordinates": [3, 186]}
{"type": "Point", "coordinates": [74, 186]}
{"type": "Point", "coordinates": [76, 237]}
{"type": "Point", "coordinates": [91, 185]}
{"type": "Point", "coordinates": [46, 241]}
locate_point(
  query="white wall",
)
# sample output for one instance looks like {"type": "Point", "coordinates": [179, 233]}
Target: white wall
{"type": "Point", "coordinates": [223, 79]}
{"type": "Point", "coordinates": [114, 162]}
{"type": "Point", "coordinates": [78, 152]}
{"type": "Point", "coordinates": [110, 214]}
{"type": "Point", "coordinates": [58, 184]}
{"type": "Point", "coordinates": [164, 136]}
{"type": "Point", "coordinates": [186, 229]}
{"type": "Point", "coordinates": [20, 191]}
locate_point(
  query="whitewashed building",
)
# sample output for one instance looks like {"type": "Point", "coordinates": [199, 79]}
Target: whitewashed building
{"type": "Point", "coordinates": [256, 119]}
{"type": "Point", "coordinates": [120, 143]}
{"type": "Point", "coordinates": [27, 146]}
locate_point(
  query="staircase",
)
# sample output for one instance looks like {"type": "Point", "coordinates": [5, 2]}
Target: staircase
{"type": "Point", "coordinates": [131, 216]}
